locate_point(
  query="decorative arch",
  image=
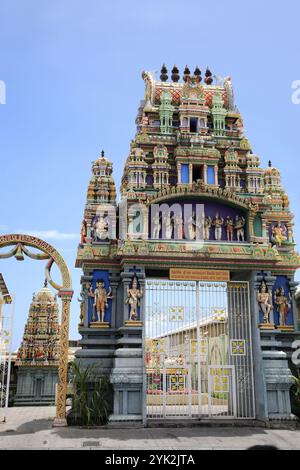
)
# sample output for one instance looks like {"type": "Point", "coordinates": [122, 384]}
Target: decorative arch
{"type": "Point", "coordinates": [20, 243]}
{"type": "Point", "coordinates": [201, 190]}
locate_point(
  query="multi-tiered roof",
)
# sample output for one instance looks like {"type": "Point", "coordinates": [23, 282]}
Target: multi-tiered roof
{"type": "Point", "coordinates": [190, 142]}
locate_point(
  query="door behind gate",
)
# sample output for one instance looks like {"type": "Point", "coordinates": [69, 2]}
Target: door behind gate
{"type": "Point", "coordinates": [198, 349]}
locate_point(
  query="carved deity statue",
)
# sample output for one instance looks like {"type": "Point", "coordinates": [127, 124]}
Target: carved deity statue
{"type": "Point", "coordinates": [278, 234]}
{"type": "Point", "coordinates": [207, 225]}
{"type": "Point", "coordinates": [283, 305]}
{"type": "Point", "coordinates": [264, 301]}
{"type": "Point", "coordinates": [169, 227]}
{"type": "Point", "coordinates": [83, 232]}
{"type": "Point", "coordinates": [178, 229]}
{"type": "Point", "coordinates": [156, 226]}
{"type": "Point", "coordinates": [191, 226]}
{"type": "Point", "coordinates": [217, 222]}
{"type": "Point", "coordinates": [100, 300]}
{"type": "Point", "coordinates": [100, 229]}
{"type": "Point", "coordinates": [239, 225]}
{"type": "Point", "coordinates": [133, 299]}
{"type": "Point", "coordinates": [229, 224]}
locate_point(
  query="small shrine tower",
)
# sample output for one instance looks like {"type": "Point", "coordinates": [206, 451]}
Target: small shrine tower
{"type": "Point", "coordinates": [37, 358]}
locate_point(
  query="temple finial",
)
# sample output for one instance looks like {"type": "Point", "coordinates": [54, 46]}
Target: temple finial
{"type": "Point", "coordinates": [102, 153]}
{"type": "Point", "coordinates": [164, 73]}
{"type": "Point", "coordinates": [46, 283]}
{"type": "Point", "coordinates": [186, 73]}
{"type": "Point", "coordinates": [270, 163]}
{"type": "Point", "coordinates": [175, 74]}
{"type": "Point", "coordinates": [208, 77]}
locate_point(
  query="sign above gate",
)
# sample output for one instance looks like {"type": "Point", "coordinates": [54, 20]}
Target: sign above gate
{"type": "Point", "coordinates": [186, 274]}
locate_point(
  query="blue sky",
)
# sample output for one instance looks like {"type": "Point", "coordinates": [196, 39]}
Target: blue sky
{"type": "Point", "coordinates": [72, 70]}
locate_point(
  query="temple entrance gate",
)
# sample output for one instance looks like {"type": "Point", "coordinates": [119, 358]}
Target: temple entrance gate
{"type": "Point", "coordinates": [198, 349]}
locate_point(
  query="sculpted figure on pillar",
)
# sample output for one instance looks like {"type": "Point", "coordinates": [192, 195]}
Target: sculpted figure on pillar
{"type": "Point", "coordinates": [283, 305]}
{"type": "Point", "coordinates": [134, 295]}
{"type": "Point", "coordinates": [264, 301]}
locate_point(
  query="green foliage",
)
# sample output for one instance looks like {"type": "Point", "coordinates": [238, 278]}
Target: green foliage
{"type": "Point", "coordinates": [220, 395]}
{"type": "Point", "coordinates": [295, 395]}
{"type": "Point", "coordinates": [296, 387]}
{"type": "Point", "coordinates": [90, 406]}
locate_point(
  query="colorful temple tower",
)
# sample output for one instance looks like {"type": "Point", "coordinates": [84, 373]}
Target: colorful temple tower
{"type": "Point", "coordinates": [187, 299]}
{"type": "Point", "coordinates": [38, 354]}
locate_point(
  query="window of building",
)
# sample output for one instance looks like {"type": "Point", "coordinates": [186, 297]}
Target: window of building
{"type": "Point", "coordinates": [193, 124]}
{"type": "Point", "coordinates": [210, 174]}
{"type": "Point", "coordinates": [197, 172]}
{"type": "Point", "coordinates": [184, 174]}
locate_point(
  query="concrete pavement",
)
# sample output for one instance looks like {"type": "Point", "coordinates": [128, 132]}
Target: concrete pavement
{"type": "Point", "coordinates": [31, 428]}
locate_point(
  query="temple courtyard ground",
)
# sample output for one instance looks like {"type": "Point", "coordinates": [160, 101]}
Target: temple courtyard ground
{"type": "Point", "coordinates": [31, 428]}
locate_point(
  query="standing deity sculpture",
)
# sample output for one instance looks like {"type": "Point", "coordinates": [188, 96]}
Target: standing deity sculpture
{"type": "Point", "coordinates": [83, 232]}
{"type": "Point", "coordinates": [100, 303]}
{"type": "Point", "coordinates": [191, 227]}
{"type": "Point", "coordinates": [169, 227]}
{"type": "Point", "coordinates": [207, 226]}
{"type": "Point", "coordinates": [217, 222]}
{"type": "Point", "coordinates": [178, 229]}
{"type": "Point", "coordinates": [278, 234]}
{"type": "Point", "coordinates": [264, 302]}
{"type": "Point", "coordinates": [134, 295]}
{"type": "Point", "coordinates": [239, 225]}
{"type": "Point", "coordinates": [283, 305]}
{"type": "Point", "coordinates": [156, 226]}
{"type": "Point", "coordinates": [229, 224]}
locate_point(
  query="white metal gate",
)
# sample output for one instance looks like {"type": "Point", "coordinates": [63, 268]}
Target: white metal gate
{"type": "Point", "coordinates": [198, 349]}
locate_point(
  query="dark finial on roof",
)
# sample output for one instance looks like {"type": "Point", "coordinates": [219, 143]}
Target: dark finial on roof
{"type": "Point", "coordinates": [45, 283]}
{"type": "Point", "coordinates": [270, 163]}
{"type": "Point", "coordinates": [208, 77]}
{"type": "Point", "coordinates": [164, 73]}
{"type": "Point", "coordinates": [186, 73]}
{"type": "Point", "coordinates": [197, 73]}
{"type": "Point", "coordinates": [102, 153]}
{"type": "Point", "coordinates": [175, 74]}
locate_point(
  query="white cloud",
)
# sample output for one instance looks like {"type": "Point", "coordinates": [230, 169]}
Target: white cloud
{"type": "Point", "coordinates": [50, 234]}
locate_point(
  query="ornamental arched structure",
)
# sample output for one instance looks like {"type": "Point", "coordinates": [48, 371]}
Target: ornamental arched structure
{"type": "Point", "coordinates": [21, 245]}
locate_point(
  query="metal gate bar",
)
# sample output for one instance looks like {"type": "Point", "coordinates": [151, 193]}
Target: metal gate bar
{"type": "Point", "coordinates": [198, 349]}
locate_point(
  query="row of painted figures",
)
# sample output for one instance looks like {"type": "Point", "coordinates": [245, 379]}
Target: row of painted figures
{"type": "Point", "coordinates": [173, 228]}
{"type": "Point", "coordinates": [37, 329]}
{"type": "Point", "coordinates": [282, 302]}
{"type": "Point", "coordinates": [100, 297]}
{"type": "Point", "coordinates": [32, 350]}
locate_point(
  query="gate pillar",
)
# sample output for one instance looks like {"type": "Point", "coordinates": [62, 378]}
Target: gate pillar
{"type": "Point", "coordinates": [258, 373]}
{"type": "Point", "coordinates": [274, 378]}
{"type": "Point", "coordinates": [127, 373]}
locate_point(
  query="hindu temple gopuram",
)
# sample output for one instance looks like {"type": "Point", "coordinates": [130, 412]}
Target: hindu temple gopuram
{"type": "Point", "coordinates": [187, 301]}
{"type": "Point", "coordinates": [37, 357]}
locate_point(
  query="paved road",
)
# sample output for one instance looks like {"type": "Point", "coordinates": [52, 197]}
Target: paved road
{"type": "Point", "coordinates": [31, 428]}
